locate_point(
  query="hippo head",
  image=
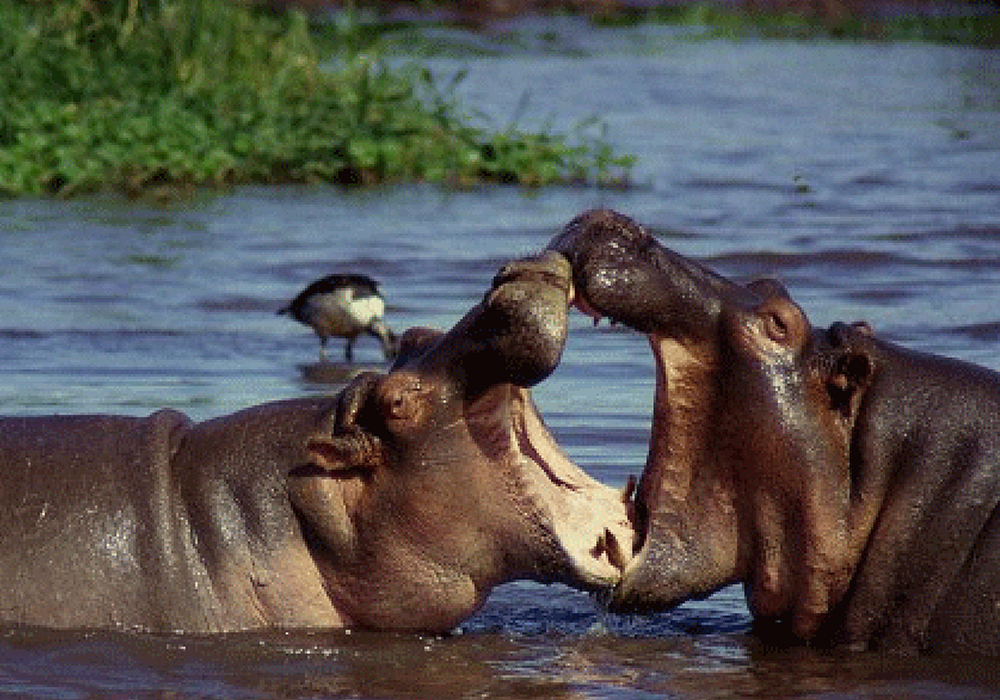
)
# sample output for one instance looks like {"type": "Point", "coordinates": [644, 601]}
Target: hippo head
{"type": "Point", "coordinates": [437, 481]}
{"type": "Point", "coordinates": [748, 477]}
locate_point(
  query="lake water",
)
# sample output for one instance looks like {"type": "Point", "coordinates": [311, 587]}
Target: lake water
{"type": "Point", "coordinates": [865, 176]}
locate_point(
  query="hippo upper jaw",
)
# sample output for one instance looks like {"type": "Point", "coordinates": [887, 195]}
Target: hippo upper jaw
{"type": "Point", "coordinates": [511, 342]}
{"type": "Point", "coordinates": [520, 331]}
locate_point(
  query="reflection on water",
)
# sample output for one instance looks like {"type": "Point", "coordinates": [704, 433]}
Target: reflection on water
{"type": "Point", "coordinates": [366, 665]}
{"type": "Point", "coordinates": [866, 177]}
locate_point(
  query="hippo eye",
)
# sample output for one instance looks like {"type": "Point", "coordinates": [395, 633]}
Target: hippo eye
{"type": "Point", "coordinates": [399, 406]}
{"type": "Point", "coordinates": [777, 329]}
{"type": "Point", "coordinates": [401, 402]}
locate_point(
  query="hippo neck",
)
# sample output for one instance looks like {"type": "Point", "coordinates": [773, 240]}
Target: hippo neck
{"type": "Point", "coordinates": [245, 533]}
{"type": "Point", "coordinates": [925, 501]}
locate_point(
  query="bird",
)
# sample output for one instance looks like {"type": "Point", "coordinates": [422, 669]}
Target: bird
{"type": "Point", "coordinates": [343, 306]}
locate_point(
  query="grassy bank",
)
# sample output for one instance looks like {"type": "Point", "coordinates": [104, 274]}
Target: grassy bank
{"type": "Point", "coordinates": [972, 22]}
{"type": "Point", "coordinates": [156, 96]}
{"type": "Point", "coordinates": [967, 23]}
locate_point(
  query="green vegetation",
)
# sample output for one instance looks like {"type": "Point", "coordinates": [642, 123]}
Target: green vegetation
{"type": "Point", "coordinates": [953, 23]}
{"type": "Point", "coordinates": [157, 96]}
{"type": "Point", "coordinates": [971, 22]}
{"type": "Point", "coordinates": [974, 29]}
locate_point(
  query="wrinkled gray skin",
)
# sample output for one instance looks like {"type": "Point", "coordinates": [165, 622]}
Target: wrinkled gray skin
{"type": "Point", "coordinates": [852, 485]}
{"type": "Point", "coordinates": [397, 505]}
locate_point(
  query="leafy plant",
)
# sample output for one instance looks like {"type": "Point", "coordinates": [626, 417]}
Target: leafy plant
{"type": "Point", "coordinates": [162, 95]}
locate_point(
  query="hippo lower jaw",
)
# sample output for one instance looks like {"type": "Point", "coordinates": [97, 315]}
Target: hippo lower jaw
{"type": "Point", "coordinates": [597, 550]}
{"type": "Point", "coordinates": [672, 560]}
{"type": "Point", "coordinates": [554, 495]}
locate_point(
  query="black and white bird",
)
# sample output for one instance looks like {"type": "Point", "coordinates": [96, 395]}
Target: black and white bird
{"type": "Point", "coordinates": [343, 306]}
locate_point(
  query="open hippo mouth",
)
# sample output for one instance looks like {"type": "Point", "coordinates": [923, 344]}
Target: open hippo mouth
{"type": "Point", "coordinates": [621, 273]}
{"type": "Point", "coordinates": [451, 438]}
{"type": "Point", "coordinates": [728, 374]}
{"type": "Point", "coordinates": [511, 342]}
{"type": "Point", "coordinates": [552, 491]}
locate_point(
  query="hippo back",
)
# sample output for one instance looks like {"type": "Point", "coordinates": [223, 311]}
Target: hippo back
{"type": "Point", "coordinates": [86, 508]}
{"type": "Point", "coordinates": [927, 451]}
{"type": "Point", "coordinates": [157, 523]}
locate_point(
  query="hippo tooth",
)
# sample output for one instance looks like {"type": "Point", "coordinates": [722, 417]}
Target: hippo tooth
{"type": "Point", "coordinates": [613, 550]}
{"type": "Point", "coordinates": [608, 547]}
{"type": "Point", "coordinates": [629, 489]}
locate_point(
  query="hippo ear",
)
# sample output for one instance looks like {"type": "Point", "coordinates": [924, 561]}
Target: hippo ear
{"type": "Point", "coordinates": [768, 288]}
{"type": "Point", "coordinates": [334, 453]}
{"type": "Point", "coordinates": [851, 373]}
{"type": "Point", "coordinates": [414, 343]}
{"type": "Point", "coordinates": [343, 443]}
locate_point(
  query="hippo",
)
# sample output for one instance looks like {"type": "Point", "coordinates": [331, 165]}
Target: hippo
{"type": "Point", "coordinates": [397, 504]}
{"type": "Point", "coordinates": [850, 484]}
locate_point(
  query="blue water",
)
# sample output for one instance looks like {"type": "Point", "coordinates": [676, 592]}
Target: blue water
{"type": "Point", "coordinates": [865, 176]}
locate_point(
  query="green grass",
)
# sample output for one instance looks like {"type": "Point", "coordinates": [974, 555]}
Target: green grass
{"type": "Point", "coordinates": [968, 22]}
{"type": "Point", "coordinates": [159, 96]}
{"type": "Point", "coordinates": [968, 26]}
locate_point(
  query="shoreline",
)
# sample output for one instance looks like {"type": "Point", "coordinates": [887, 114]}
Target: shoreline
{"type": "Point", "coordinates": [486, 12]}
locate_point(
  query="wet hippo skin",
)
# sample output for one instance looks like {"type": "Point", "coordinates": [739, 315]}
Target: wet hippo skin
{"type": "Point", "coordinates": [851, 484]}
{"type": "Point", "coordinates": [397, 504]}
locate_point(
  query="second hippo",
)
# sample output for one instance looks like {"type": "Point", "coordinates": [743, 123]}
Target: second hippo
{"type": "Point", "coordinates": [851, 484]}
